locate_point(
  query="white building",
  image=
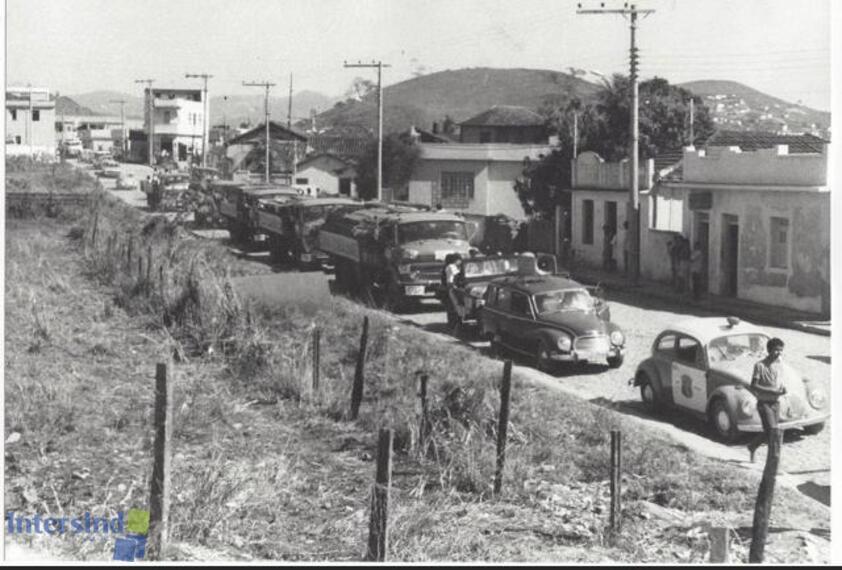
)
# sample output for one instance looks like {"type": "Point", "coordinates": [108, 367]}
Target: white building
{"type": "Point", "coordinates": [30, 121]}
{"type": "Point", "coordinates": [325, 174]}
{"type": "Point", "coordinates": [178, 122]}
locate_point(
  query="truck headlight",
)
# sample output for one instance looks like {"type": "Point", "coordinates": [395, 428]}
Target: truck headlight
{"type": "Point", "coordinates": [748, 405]}
{"type": "Point", "coordinates": [404, 268]}
{"type": "Point", "coordinates": [410, 253]}
{"type": "Point", "coordinates": [617, 338]}
{"type": "Point", "coordinates": [816, 398]}
{"type": "Point", "coordinates": [477, 292]}
{"type": "Point", "coordinates": [564, 343]}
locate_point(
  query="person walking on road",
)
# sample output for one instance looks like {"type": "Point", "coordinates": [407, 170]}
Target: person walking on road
{"type": "Point", "coordinates": [767, 386]}
{"type": "Point", "coordinates": [696, 267]}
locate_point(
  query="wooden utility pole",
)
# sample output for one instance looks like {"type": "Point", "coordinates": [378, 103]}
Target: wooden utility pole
{"type": "Point", "coordinates": [266, 85]}
{"type": "Point", "coordinates": [632, 12]}
{"type": "Point", "coordinates": [205, 112]}
{"type": "Point", "coordinates": [763, 505]}
{"type": "Point", "coordinates": [692, 118]}
{"type": "Point", "coordinates": [150, 113]}
{"type": "Point", "coordinates": [294, 161]}
{"type": "Point", "coordinates": [379, 65]}
{"type": "Point", "coordinates": [122, 103]}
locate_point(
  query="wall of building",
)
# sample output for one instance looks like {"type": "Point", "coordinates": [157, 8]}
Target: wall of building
{"type": "Point", "coordinates": [591, 171]}
{"type": "Point", "coordinates": [501, 196]}
{"type": "Point", "coordinates": [40, 133]}
{"type": "Point", "coordinates": [591, 254]}
{"type": "Point", "coordinates": [772, 167]}
{"type": "Point", "coordinates": [321, 177]}
{"type": "Point", "coordinates": [425, 184]}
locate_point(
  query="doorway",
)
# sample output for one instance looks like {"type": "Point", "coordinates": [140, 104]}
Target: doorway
{"type": "Point", "coordinates": [729, 255]}
{"type": "Point", "coordinates": [702, 235]}
{"type": "Point", "coordinates": [609, 235]}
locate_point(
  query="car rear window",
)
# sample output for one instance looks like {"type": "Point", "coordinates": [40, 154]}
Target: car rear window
{"type": "Point", "coordinates": [520, 304]}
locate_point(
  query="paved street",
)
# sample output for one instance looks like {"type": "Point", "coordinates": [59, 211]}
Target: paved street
{"type": "Point", "coordinates": [806, 459]}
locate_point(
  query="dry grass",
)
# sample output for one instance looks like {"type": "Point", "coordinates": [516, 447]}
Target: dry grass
{"type": "Point", "coordinates": [264, 467]}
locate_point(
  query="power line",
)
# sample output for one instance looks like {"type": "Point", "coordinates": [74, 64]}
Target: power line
{"type": "Point", "coordinates": [205, 113]}
{"type": "Point", "coordinates": [634, 195]}
{"type": "Point", "coordinates": [267, 85]}
{"type": "Point", "coordinates": [379, 65]}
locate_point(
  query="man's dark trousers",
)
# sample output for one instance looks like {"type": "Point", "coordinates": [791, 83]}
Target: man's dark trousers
{"type": "Point", "coordinates": [769, 418]}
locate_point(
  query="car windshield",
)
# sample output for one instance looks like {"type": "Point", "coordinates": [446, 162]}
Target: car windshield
{"type": "Point", "coordinates": [488, 267]}
{"type": "Point", "coordinates": [565, 300]}
{"type": "Point", "coordinates": [416, 231]}
{"type": "Point", "coordinates": [737, 346]}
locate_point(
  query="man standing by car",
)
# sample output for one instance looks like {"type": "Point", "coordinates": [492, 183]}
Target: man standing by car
{"type": "Point", "coordinates": [767, 386]}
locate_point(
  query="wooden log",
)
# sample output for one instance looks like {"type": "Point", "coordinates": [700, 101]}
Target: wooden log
{"type": "Point", "coordinates": [378, 526]}
{"type": "Point", "coordinates": [359, 373]}
{"type": "Point", "coordinates": [159, 496]}
{"type": "Point", "coordinates": [719, 545]}
{"type": "Point", "coordinates": [317, 336]}
{"type": "Point", "coordinates": [763, 505]}
{"type": "Point", "coordinates": [424, 425]}
{"type": "Point", "coordinates": [503, 426]}
{"type": "Point", "coordinates": [615, 516]}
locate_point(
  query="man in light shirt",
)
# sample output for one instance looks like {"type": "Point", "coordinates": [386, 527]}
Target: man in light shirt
{"type": "Point", "coordinates": [767, 386]}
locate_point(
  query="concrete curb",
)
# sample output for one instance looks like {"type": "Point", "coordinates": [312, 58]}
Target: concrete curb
{"type": "Point", "coordinates": [744, 313]}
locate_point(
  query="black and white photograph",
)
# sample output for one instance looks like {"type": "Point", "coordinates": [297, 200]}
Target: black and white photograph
{"type": "Point", "coordinates": [443, 282]}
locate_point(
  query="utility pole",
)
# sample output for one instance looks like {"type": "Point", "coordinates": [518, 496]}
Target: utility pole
{"type": "Point", "coordinates": [692, 108]}
{"type": "Point", "coordinates": [266, 85]}
{"type": "Point", "coordinates": [29, 120]}
{"type": "Point", "coordinates": [379, 65]}
{"type": "Point", "coordinates": [122, 103]}
{"type": "Point", "coordinates": [632, 12]}
{"type": "Point", "coordinates": [205, 111]}
{"type": "Point", "coordinates": [294, 142]}
{"type": "Point", "coordinates": [150, 111]}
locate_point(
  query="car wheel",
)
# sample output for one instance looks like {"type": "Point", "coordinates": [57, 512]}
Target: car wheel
{"type": "Point", "coordinates": [723, 421]}
{"type": "Point", "coordinates": [615, 361]}
{"type": "Point", "coordinates": [495, 348]}
{"type": "Point", "coordinates": [542, 357]}
{"type": "Point", "coordinates": [647, 393]}
{"type": "Point", "coordinates": [814, 429]}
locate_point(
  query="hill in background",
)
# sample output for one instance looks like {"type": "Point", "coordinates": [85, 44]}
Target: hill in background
{"type": "Point", "coordinates": [67, 106]}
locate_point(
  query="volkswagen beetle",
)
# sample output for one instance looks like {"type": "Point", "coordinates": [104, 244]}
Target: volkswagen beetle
{"type": "Point", "coordinates": [703, 366]}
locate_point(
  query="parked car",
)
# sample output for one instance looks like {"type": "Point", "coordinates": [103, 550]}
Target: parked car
{"type": "Point", "coordinates": [703, 366]}
{"type": "Point", "coordinates": [551, 318]}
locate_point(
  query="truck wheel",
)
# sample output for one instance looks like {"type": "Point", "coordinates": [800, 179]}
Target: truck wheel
{"type": "Point", "coordinates": [647, 393]}
{"type": "Point", "coordinates": [723, 421]}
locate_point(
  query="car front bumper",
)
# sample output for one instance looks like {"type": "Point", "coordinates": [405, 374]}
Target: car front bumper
{"type": "Point", "coordinates": [578, 356]}
{"type": "Point", "coordinates": [785, 425]}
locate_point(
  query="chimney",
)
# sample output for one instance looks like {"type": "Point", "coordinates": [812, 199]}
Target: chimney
{"type": "Point", "coordinates": [435, 128]}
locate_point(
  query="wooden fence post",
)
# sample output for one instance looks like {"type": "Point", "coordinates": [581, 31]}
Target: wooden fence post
{"type": "Point", "coordinates": [424, 425]}
{"type": "Point", "coordinates": [317, 336]}
{"type": "Point", "coordinates": [159, 502]}
{"type": "Point", "coordinates": [149, 264]}
{"type": "Point", "coordinates": [378, 526]}
{"type": "Point", "coordinates": [503, 427]}
{"type": "Point", "coordinates": [359, 373]}
{"type": "Point", "coordinates": [129, 254]}
{"type": "Point", "coordinates": [763, 506]}
{"type": "Point", "coordinates": [615, 517]}
{"type": "Point", "coordinates": [719, 545]}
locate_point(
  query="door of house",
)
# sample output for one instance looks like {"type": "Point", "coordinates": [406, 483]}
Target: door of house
{"type": "Point", "coordinates": [344, 186]}
{"type": "Point", "coordinates": [702, 235]}
{"type": "Point", "coordinates": [729, 255]}
{"type": "Point", "coordinates": [609, 235]}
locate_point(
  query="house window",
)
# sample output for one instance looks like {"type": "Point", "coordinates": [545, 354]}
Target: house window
{"type": "Point", "coordinates": [17, 139]}
{"type": "Point", "coordinates": [302, 180]}
{"type": "Point", "coordinates": [166, 116]}
{"type": "Point", "coordinates": [587, 222]}
{"type": "Point", "coordinates": [779, 241]}
{"type": "Point", "coordinates": [14, 113]}
{"type": "Point", "coordinates": [457, 185]}
{"type": "Point", "coordinates": [667, 211]}
{"type": "Point", "coordinates": [36, 115]}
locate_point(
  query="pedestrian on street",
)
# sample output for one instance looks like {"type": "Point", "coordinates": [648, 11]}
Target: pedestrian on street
{"type": "Point", "coordinates": [608, 236]}
{"type": "Point", "coordinates": [683, 261]}
{"type": "Point", "coordinates": [767, 386]}
{"type": "Point", "coordinates": [696, 267]}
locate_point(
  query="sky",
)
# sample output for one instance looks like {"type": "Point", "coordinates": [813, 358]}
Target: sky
{"type": "Point", "coordinates": [780, 47]}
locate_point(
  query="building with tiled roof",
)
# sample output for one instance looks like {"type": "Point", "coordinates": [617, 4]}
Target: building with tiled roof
{"type": "Point", "coordinates": [505, 124]}
{"type": "Point", "coordinates": [345, 147]}
{"type": "Point", "coordinates": [749, 141]}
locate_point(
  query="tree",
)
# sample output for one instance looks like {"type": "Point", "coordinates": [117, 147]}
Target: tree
{"type": "Point", "coordinates": [360, 89]}
{"type": "Point", "coordinates": [603, 127]}
{"type": "Point", "coordinates": [400, 155]}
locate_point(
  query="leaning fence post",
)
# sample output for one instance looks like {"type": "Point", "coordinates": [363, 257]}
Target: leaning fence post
{"type": "Point", "coordinates": [359, 373]}
{"type": "Point", "coordinates": [317, 336]}
{"type": "Point", "coordinates": [159, 501]}
{"type": "Point", "coordinates": [763, 506]}
{"type": "Point", "coordinates": [378, 526]}
{"type": "Point", "coordinates": [503, 427]}
{"type": "Point", "coordinates": [149, 264]}
{"type": "Point", "coordinates": [129, 254]}
{"type": "Point", "coordinates": [719, 545]}
{"type": "Point", "coordinates": [615, 515]}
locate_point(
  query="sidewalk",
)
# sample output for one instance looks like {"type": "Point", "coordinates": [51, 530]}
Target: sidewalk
{"type": "Point", "coordinates": [752, 312]}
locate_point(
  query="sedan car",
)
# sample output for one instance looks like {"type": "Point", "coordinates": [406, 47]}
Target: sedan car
{"type": "Point", "coordinates": [703, 366]}
{"type": "Point", "coordinates": [551, 318]}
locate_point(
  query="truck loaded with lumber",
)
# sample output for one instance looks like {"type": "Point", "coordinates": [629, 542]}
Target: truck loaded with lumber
{"type": "Point", "coordinates": [292, 226]}
{"type": "Point", "coordinates": [238, 204]}
{"type": "Point", "coordinates": [391, 255]}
